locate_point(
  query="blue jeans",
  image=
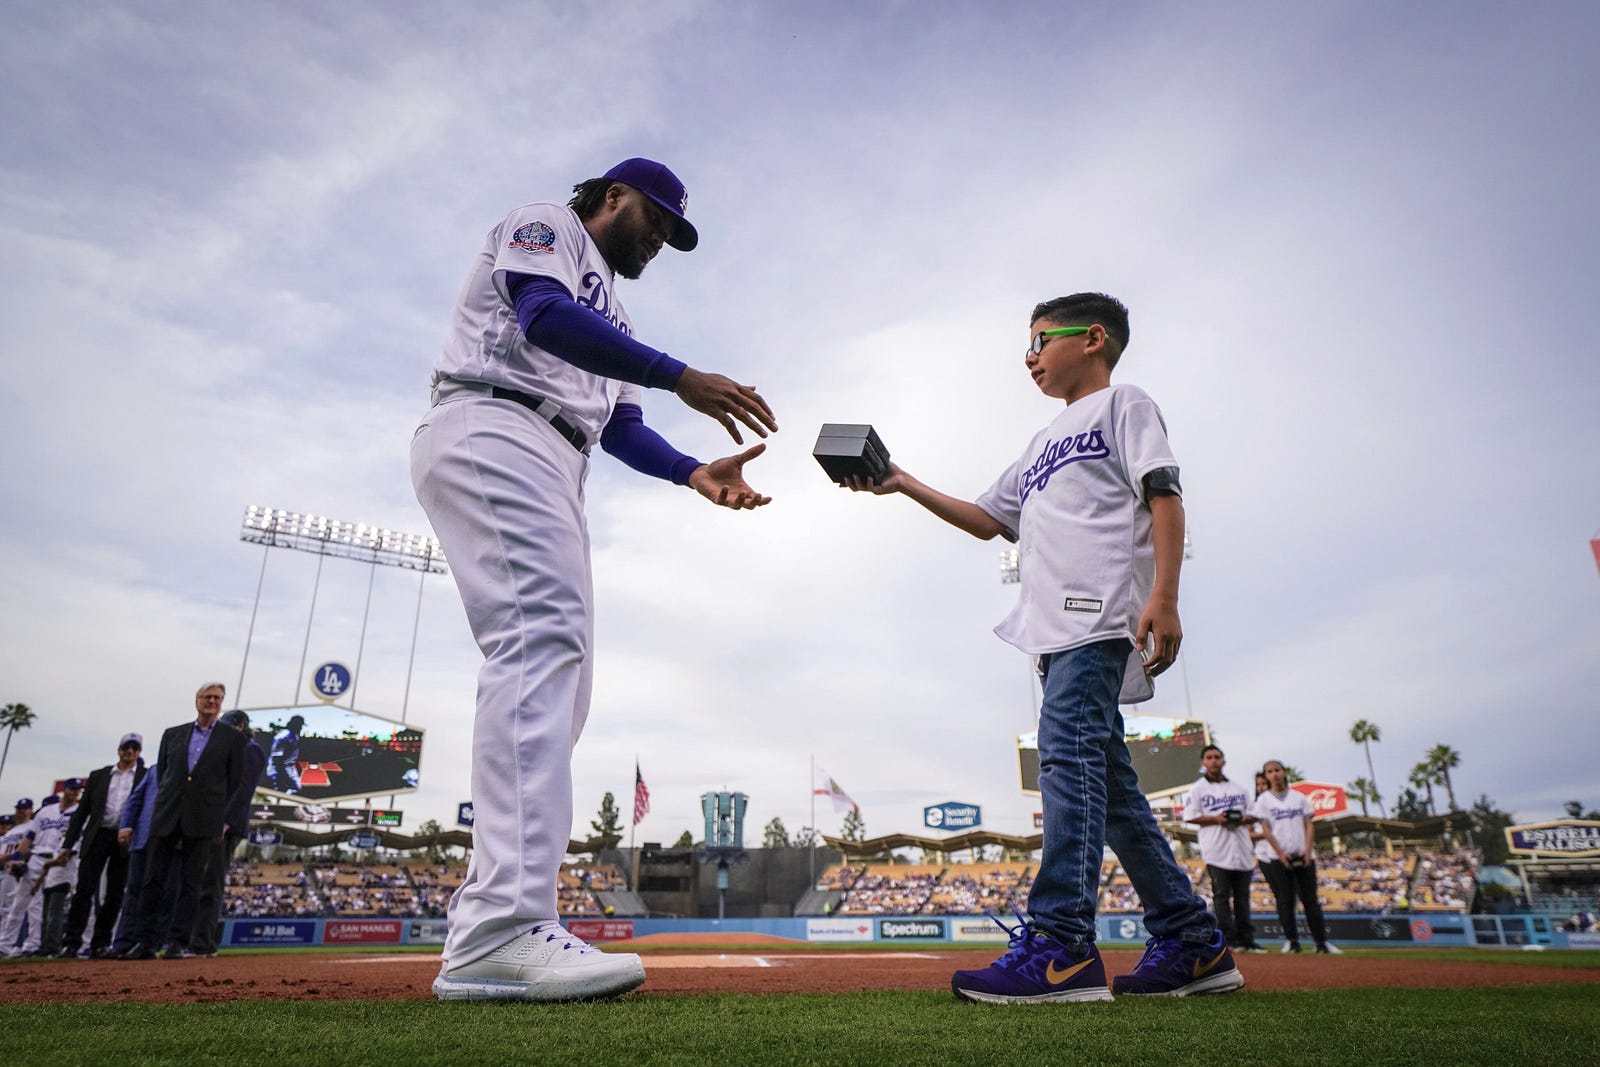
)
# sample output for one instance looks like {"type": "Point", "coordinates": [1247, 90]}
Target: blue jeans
{"type": "Point", "coordinates": [1091, 799]}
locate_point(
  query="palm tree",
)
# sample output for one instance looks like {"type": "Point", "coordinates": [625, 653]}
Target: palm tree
{"type": "Point", "coordinates": [13, 717]}
{"type": "Point", "coordinates": [1364, 733]}
{"type": "Point", "coordinates": [1442, 758]}
{"type": "Point", "coordinates": [1423, 777]}
{"type": "Point", "coordinates": [1363, 791]}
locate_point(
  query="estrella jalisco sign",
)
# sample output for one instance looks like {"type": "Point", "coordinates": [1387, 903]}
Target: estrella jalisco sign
{"type": "Point", "coordinates": [1564, 837]}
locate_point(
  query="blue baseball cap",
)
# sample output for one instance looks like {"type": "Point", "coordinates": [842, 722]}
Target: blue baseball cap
{"type": "Point", "coordinates": [72, 783]}
{"type": "Point", "coordinates": [661, 185]}
{"type": "Point", "coordinates": [25, 803]}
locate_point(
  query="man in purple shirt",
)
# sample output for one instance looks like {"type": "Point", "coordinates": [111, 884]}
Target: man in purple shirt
{"type": "Point", "coordinates": [201, 767]}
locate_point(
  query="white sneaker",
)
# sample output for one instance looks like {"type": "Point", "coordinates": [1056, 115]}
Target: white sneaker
{"type": "Point", "coordinates": [545, 964]}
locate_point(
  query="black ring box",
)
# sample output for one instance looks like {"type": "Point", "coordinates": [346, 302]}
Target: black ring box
{"type": "Point", "coordinates": [851, 449]}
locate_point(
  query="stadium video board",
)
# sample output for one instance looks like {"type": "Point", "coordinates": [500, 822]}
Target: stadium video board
{"type": "Point", "coordinates": [1166, 753]}
{"type": "Point", "coordinates": [319, 753]}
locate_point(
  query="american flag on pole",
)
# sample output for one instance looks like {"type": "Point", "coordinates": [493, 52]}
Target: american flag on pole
{"type": "Point", "coordinates": [641, 796]}
{"type": "Point", "coordinates": [827, 787]}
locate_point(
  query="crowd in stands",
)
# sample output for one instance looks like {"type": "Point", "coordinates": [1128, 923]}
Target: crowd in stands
{"type": "Point", "coordinates": [421, 890]}
{"type": "Point", "coordinates": [1350, 881]}
{"type": "Point", "coordinates": [1446, 879]}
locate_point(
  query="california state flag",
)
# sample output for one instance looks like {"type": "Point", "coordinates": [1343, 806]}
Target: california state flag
{"type": "Point", "coordinates": [827, 787]}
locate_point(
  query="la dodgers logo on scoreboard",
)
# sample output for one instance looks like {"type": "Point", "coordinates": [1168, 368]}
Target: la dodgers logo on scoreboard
{"type": "Point", "coordinates": [330, 680]}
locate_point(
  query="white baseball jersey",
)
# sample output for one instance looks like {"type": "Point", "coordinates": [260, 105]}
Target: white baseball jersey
{"type": "Point", "coordinates": [486, 343]}
{"type": "Point", "coordinates": [56, 830]}
{"type": "Point", "coordinates": [1227, 847]}
{"type": "Point", "coordinates": [1287, 816]}
{"type": "Point", "coordinates": [1075, 500]}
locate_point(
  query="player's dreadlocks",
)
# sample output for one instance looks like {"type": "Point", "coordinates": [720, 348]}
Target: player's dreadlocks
{"type": "Point", "coordinates": [588, 196]}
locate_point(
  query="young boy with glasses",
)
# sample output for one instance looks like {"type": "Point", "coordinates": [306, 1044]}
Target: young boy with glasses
{"type": "Point", "coordinates": [1095, 508]}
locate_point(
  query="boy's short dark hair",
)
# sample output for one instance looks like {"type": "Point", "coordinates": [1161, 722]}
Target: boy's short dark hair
{"type": "Point", "coordinates": [1087, 309]}
{"type": "Point", "coordinates": [1210, 748]}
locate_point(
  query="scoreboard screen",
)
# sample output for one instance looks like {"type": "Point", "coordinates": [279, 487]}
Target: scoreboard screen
{"type": "Point", "coordinates": [1166, 752]}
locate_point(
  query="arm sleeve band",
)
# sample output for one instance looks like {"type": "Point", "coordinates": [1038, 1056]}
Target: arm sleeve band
{"type": "Point", "coordinates": [630, 440]}
{"type": "Point", "coordinates": [1163, 481]}
{"type": "Point", "coordinates": [551, 319]}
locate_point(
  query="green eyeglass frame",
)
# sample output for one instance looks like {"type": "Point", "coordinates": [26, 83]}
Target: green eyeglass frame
{"type": "Point", "coordinates": [1061, 331]}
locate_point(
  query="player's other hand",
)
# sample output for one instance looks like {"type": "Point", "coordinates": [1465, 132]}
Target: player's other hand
{"type": "Point", "coordinates": [726, 401]}
{"type": "Point", "coordinates": [722, 480]}
{"type": "Point", "coordinates": [892, 484]}
{"type": "Point", "coordinates": [1159, 635]}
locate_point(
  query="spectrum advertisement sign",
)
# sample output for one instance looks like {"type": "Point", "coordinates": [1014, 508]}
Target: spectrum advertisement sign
{"type": "Point", "coordinates": [911, 930]}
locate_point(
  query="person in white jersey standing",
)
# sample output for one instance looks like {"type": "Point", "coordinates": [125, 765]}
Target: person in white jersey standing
{"type": "Point", "coordinates": [1288, 863]}
{"type": "Point", "coordinates": [539, 366]}
{"type": "Point", "coordinates": [1221, 810]}
{"type": "Point", "coordinates": [1096, 510]}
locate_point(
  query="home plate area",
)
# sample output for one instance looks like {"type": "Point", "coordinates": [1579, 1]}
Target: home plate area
{"type": "Point", "coordinates": [702, 960]}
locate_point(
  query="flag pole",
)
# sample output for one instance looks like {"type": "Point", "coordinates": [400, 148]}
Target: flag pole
{"type": "Point", "coordinates": [813, 820]}
{"type": "Point", "coordinates": [633, 826]}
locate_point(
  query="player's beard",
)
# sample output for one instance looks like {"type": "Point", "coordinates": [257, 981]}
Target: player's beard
{"type": "Point", "coordinates": [626, 250]}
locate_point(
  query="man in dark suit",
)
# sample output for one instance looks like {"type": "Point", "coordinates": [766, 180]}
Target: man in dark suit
{"type": "Point", "coordinates": [201, 766]}
{"type": "Point", "coordinates": [92, 834]}
{"type": "Point", "coordinates": [203, 940]}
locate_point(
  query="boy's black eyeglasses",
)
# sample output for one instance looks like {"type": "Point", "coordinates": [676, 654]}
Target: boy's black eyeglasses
{"type": "Point", "coordinates": [1061, 331]}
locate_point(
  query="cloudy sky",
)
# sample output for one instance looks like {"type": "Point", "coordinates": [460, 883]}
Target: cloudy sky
{"type": "Point", "coordinates": [1357, 248]}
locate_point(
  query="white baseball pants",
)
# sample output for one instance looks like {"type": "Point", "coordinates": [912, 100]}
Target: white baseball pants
{"type": "Point", "coordinates": [504, 493]}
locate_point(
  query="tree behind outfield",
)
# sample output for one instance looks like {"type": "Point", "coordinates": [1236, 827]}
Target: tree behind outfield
{"type": "Point", "coordinates": [776, 835]}
{"type": "Point", "coordinates": [607, 827]}
{"type": "Point", "coordinates": [854, 827]}
{"type": "Point", "coordinates": [1489, 830]}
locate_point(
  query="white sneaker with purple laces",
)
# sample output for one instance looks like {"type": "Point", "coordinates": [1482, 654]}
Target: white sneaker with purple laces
{"type": "Point", "coordinates": [547, 963]}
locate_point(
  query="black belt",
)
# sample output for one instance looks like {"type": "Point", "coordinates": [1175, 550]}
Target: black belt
{"type": "Point", "coordinates": [549, 411]}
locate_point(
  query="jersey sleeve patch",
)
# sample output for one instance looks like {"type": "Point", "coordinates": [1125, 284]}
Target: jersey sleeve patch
{"type": "Point", "coordinates": [534, 237]}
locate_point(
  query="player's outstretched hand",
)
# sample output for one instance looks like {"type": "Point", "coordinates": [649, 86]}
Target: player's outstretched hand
{"type": "Point", "coordinates": [892, 484]}
{"type": "Point", "coordinates": [726, 400]}
{"type": "Point", "coordinates": [722, 480]}
{"type": "Point", "coordinates": [1159, 635]}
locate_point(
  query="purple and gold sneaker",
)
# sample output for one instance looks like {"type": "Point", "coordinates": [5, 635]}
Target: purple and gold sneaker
{"type": "Point", "coordinates": [1174, 968]}
{"type": "Point", "coordinates": [1036, 969]}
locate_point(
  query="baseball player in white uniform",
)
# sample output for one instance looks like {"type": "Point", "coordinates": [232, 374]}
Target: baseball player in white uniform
{"type": "Point", "coordinates": [540, 365]}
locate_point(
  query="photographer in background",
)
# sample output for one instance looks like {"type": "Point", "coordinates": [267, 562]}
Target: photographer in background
{"type": "Point", "coordinates": [1220, 809]}
{"type": "Point", "coordinates": [1284, 853]}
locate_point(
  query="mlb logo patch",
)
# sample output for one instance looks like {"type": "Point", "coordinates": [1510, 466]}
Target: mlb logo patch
{"type": "Point", "coordinates": [534, 237]}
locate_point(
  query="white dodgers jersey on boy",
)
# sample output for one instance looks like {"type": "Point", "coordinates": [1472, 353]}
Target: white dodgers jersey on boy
{"type": "Point", "coordinates": [1075, 501]}
{"type": "Point", "coordinates": [486, 343]}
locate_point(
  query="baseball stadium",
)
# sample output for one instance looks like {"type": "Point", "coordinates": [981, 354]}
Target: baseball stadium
{"type": "Point", "coordinates": [391, 403]}
{"type": "Point", "coordinates": [843, 952]}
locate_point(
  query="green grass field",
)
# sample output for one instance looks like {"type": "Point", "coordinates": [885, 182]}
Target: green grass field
{"type": "Point", "coordinates": [1515, 1024]}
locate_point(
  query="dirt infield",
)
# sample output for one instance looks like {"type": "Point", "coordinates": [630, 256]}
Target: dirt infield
{"type": "Point", "coordinates": [787, 967]}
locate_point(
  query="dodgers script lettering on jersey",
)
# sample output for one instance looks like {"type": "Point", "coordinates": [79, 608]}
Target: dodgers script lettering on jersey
{"type": "Point", "coordinates": [1057, 454]}
{"type": "Point", "coordinates": [1212, 805]}
{"type": "Point", "coordinates": [597, 299]}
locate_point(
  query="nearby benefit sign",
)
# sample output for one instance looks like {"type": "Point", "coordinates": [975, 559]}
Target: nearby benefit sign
{"type": "Point", "coordinates": [1573, 838]}
{"type": "Point", "coordinates": [952, 816]}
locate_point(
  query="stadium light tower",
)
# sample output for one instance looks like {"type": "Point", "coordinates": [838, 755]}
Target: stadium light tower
{"type": "Point", "coordinates": [359, 541]}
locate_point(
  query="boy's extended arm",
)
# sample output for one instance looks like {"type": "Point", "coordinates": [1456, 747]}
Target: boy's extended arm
{"type": "Point", "coordinates": [1159, 629]}
{"type": "Point", "coordinates": [962, 514]}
